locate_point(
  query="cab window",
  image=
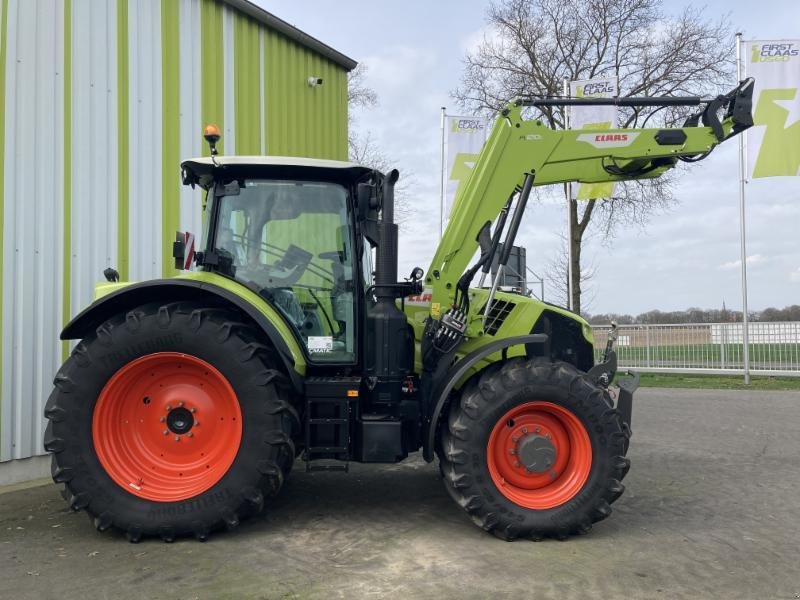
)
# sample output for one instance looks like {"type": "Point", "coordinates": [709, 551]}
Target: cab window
{"type": "Point", "coordinates": [291, 242]}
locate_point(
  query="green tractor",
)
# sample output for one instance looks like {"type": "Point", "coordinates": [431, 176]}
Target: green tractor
{"type": "Point", "coordinates": [187, 400]}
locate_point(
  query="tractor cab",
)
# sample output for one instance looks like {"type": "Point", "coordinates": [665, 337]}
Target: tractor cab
{"type": "Point", "coordinates": [300, 233]}
{"type": "Point", "coordinates": [285, 228]}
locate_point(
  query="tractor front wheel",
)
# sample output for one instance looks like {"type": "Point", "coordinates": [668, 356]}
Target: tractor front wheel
{"type": "Point", "coordinates": [170, 420]}
{"type": "Point", "coordinates": [534, 449]}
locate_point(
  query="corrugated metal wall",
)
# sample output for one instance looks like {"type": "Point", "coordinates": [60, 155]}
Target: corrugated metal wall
{"type": "Point", "coordinates": [100, 101]}
{"type": "Point", "coordinates": [33, 217]}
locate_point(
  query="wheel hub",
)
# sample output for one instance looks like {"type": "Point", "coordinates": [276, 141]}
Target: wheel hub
{"type": "Point", "coordinates": [180, 420]}
{"type": "Point", "coordinates": [536, 453]}
{"type": "Point", "coordinates": [539, 455]}
{"type": "Point", "coordinates": [147, 432]}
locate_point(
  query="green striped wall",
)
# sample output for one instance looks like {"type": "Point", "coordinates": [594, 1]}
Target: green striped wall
{"type": "Point", "coordinates": [123, 140]}
{"type": "Point", "coordinates": [170, 130]}
{"type": "Point", "coordinates": [141, 135]}
{"type": "Point", "coordinates": [303, 121]}
{"type": "Point", "coordinates": [247, 81]}
{"type": "Point", "coordinates": [212, 67]}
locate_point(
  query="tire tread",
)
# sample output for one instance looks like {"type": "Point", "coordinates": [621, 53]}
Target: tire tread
{"type": "Point", "coordinates": [461, 432]}
{"type": "Point", "coordinates": [269, 475]}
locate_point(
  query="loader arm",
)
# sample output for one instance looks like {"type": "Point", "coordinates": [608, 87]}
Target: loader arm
{"type": "Point", "coordinates": [522, 153]}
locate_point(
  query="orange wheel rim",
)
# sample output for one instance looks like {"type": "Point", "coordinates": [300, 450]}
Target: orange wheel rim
{"type": "Point", "coordinates": [539, 455]}
{"type": "Point", "coordinates": [167, 426]}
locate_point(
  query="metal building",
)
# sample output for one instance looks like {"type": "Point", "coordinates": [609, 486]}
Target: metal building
{"type": "Point", "coordinates": [99, 102]}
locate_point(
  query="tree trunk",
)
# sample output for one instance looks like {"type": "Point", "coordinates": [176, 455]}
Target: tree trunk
{"type": "Point", "coordinates": [578, 229]}
{"type": "Point", "coordinates": [574, 260]}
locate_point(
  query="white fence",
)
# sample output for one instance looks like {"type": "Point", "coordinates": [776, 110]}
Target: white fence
{"type": "Point", "coordinates": [706, 348]}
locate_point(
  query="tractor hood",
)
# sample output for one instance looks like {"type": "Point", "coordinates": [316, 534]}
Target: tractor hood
{"type": "Point", "coordinates": [202, 171]}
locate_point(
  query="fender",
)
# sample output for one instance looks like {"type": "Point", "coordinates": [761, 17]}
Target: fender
{"type": "Point", "coordinates": [180, 288]}
{"type": "Point", "coordinates": [452, 376]}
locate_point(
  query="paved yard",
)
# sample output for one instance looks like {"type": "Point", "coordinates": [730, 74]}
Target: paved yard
{"type": "Point", "coordinates": [712, 510]}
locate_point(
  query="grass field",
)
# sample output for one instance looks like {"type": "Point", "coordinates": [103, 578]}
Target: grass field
{"type": "Point", "coordinates": [719, 382]}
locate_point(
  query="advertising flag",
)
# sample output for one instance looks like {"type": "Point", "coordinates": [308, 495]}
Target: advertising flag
{"type": "Point", "coordinates": [773, 143]}
{"type": "Point", "coordinates": [464, 138]}
{"type": "Point", "coordinates": [594, 117]}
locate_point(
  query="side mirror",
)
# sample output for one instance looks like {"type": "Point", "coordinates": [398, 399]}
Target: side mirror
{"type": "Point", "coordinates": [366, 198]}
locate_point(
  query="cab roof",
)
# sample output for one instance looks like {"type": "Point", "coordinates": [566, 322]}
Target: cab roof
{"type": "Point", "coordinates": [202, 170]}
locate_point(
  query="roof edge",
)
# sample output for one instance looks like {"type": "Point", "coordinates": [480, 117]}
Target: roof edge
{"type": "Point", "coordinates": [234, 160]}
{"type": "Point", "coordinates": [292, 32]}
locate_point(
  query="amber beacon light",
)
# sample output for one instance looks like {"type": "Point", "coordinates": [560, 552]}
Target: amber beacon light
{"type": "Point", "coordinates": [212, 135]}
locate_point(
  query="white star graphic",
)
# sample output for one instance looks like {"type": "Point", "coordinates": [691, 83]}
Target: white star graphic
{"type": "Point", "coordinates": [793, 106]}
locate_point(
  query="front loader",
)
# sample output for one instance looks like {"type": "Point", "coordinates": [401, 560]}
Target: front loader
{"type": "Point", "coordinates": [187, 400]}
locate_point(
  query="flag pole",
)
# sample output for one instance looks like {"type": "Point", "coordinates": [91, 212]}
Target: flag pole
{"type": "Point", "coordinates": [742, 176]}
{"type": "Point", "coordinates": [568, 191]}
{"type": "Point", "coordinates": [441, 180]}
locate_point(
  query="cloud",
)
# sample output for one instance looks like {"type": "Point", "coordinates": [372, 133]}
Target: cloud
{"type": "Point", "coordinates": [397, 67]}
{"type": "Point", "coordinates": [684, 257]}
{"type": "Point", "coordinates": [752, 260]}
{"type": "Point", "coordinates": [471, 42]}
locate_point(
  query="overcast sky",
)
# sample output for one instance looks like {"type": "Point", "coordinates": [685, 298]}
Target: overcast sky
{"type": "Point", "coordinates": [688, 256]}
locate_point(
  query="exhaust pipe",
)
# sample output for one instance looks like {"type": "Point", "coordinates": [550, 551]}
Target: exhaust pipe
{"type": "Point", "coordinates": [389, 345]}
{"type": "Point", "coordinates": [386, 253]}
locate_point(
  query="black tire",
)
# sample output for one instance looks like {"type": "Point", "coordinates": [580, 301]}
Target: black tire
{"type": "Point", "coordinates": [465, 436]}
{"type": "Point", "coordinates": [238, 351]}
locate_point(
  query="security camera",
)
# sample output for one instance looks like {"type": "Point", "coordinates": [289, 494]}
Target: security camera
{"type": "Point", "coordinates": [314, 81]}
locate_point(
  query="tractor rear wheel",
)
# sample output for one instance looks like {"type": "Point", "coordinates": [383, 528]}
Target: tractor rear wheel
{"type": "Point", "coordinates": [171, 420]}
{"type": "Point", "coordinates": [534, 449]}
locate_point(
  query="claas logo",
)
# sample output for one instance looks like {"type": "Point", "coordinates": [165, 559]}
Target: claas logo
{"type": "Point", "coordinates": [773, 52]}
{"type": "Point", "coordinates": [611, 137]}
{"type": "Point", "coordinates": [594, 89]}
{"type": "Point", "coordinates": [607, 140]}
{"type": "Point", "coordinates": [467, 125]}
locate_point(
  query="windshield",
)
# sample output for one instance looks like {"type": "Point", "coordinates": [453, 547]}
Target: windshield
{"type": "Point", "coordinates": [290, 242]}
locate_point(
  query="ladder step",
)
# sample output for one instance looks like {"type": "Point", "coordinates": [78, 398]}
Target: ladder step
{"type": "Point", "coordinates": [344, 467]}
{"type": "Point", "coordinates": [327, 421]}
{"type": "Point", "coordinates": [315, 449]}
{"type": "Point", "coordinates": [328, 400]}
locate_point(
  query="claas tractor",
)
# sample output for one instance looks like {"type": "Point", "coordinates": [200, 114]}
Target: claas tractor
{"type": "Point", "coordinates": [187, 400]}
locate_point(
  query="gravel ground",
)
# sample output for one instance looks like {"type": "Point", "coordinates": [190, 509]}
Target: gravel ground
{"type": "Point", "coordinates": [711, 511]}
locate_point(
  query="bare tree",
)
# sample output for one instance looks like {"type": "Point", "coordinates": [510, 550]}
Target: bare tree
{"type": "Point", "coordinates": [365, 151]}
{"type": "Point", "coordinates": [557, 276]}
{"type": "Point", "coordinates": [359, 94]}
{"type": "Point", "coordinates": [362, 148]}
{"type": "Point", "coordinates": [534, 45]}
